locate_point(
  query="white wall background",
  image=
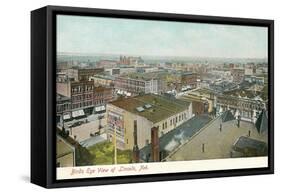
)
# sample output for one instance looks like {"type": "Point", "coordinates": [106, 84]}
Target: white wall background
{"type": "Point", "coordinates": [15, 94]}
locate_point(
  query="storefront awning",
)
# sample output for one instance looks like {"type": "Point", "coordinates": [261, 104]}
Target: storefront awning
{"type": "Point", "coordinates": [66, 116]}
{"type": "Point", "coordinates": [99, 108]}
{"type": "Point", "coordinates": [78, 113]}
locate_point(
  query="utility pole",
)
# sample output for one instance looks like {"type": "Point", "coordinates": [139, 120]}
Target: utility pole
{"type": "Point", "coordinates": [115, 142]}
{"type": "Point", "coordinates": [135, 148]}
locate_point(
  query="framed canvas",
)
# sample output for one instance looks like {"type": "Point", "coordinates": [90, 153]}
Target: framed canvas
{"type": "Point", "coordinates": [126, 96]}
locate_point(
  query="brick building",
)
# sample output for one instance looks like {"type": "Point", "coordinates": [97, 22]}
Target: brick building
{"type": "Point", "coordinates": [238, 75]}
{"type": "Point", "coordinates": [199, 105]}
{"type": "Point", "coordinates": [189, 79]}
{"type": "Point", "coordinates": [84, 95]}
{"type": "Point", "coordinates": [85, 74]}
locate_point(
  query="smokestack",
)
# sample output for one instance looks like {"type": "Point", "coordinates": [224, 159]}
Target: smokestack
{"type": "Point", "coordinates": [155, 144]}
{"type": "Point", "coordinates": [136, 152]}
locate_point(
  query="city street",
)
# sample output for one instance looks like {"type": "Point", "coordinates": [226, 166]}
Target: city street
{"type": "Point", "coordinates": [83, 131]}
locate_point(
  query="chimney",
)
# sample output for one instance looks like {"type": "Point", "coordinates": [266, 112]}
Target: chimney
{"type": "Point", "coordinates": [136, 152]}
{"type": "Point", "coordinates": [155, 144]}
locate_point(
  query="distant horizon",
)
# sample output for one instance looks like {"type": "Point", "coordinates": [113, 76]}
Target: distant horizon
{"type": "Point", "coordinates": [137, 55]}
{"type": "Point", "coordinates": [88, 34]}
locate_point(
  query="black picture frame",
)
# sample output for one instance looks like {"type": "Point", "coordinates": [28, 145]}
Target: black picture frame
{"type": "Point", "coordinates": [43, 98]}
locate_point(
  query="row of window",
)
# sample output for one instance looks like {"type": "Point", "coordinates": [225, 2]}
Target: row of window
{"type": "Point", "coordinates": [87, 96]}
{"type": "Point", "coordinates": [175, 120]}
{"type": "Point", "coordinates": [81, 89]}
{"type": "Point", "coordinates": [244, 105]}
{"type": "Point", "coordinates": [88, 103]}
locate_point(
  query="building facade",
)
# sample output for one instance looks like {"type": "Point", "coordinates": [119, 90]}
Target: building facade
{"type": "Point", "coordinates": [84, 95]}
{"type": "Point", "coordinates": [137, 86]}
{"type": "Point", "coordinates": [148, 111]}
{"type": "Point", "coordinates": [189, 79]}
{"type": "Point", "coordinates": [128, 60]}
{"type": "Point", "coordinates": [246, 108]}
{"type": "Point", "coordinates": [238, 75]}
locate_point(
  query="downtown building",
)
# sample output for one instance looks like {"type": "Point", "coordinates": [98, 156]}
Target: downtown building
{"type": "Point", "coordinates": [139, 84]}
{"type": "Point", "coordinates": [238, 75]}
{"type": "Point", "coordinates": [75, 74]}
{"type": "Point", "coordinates": [133, 118]}
{"type": "Point", "coordinates": [129, 60]}
{"type": "Point", "coordinates": [246, 108]}
{"type": "Point", "coordinates": [81, 98]}
{"type": "Point", "coordinates": [180, 80]}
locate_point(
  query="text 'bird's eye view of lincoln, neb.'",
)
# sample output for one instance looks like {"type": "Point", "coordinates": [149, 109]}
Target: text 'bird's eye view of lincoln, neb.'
{"type": "Point", "coordinates": [140, 92]}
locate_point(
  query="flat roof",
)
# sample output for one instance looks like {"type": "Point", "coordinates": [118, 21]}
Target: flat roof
{"type": "Point", "coordinates": [145, 76]}
{"type": "Point", "coordinates": [192, 98]}
{"type": "Point", "coordinates": [161, 107]}
{"type": "Point", "coordinates": [63, 147]}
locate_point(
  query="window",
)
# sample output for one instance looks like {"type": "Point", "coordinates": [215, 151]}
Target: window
{"type": "Point", "coordinates": [170, 122]}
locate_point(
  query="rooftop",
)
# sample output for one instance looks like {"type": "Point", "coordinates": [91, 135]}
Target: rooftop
{"type": "Point", "coordinates": [218, 139]}
{"type": "Point", "coordinates": [61, 97]}
{"type": "Point", "coordinates": [245, 143]}
{"type": "Point", "coordinates": [82, 155]}
{"type": "Point", "coordinates": [155, 107]}
{"type": "Point", "coordinates": [173, 139]}
{"type": "Point", "coordinates": [102, 76]}
{"type": "Point", "coordinates": [192, 98]}
{"type": "Point", "coordinates": [146, 76]}
{"type": "Point", "coordinates": [63, 147]}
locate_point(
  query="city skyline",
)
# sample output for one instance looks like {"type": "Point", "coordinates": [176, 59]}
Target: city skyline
{"type": "Point", "coordinates": [81, 34]}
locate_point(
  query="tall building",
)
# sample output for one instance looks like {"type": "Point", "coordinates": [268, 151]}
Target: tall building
{"type": "Point", "coordinates": [238, 75]}
{"type": "Point", "coordinates": [63, 106]}
{"type": "Point", "coordinates": [130, 60]}
{"type": "Point", "coordinates": [188, 79]}
{"type": "Point", "coordinates": [148, 111]}
{"type": "Point", "coordinates": [180, 80]}
{"type": "Point", "coordinates": [139, 84]}
{"type": "Point", "coordinates": [84, 96]}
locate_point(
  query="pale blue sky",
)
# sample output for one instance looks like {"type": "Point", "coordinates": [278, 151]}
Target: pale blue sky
{"type": "Point", "coordinates": [81, 34]}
